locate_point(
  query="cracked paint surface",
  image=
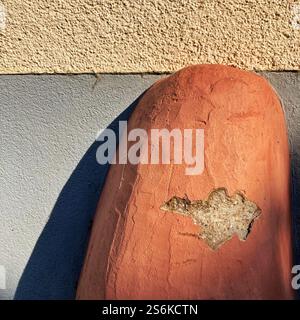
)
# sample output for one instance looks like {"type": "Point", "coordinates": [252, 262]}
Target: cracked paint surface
{"type": "Point", "coordinates": [220, 216]}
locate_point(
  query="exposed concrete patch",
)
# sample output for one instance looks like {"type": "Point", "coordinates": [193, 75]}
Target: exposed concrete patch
{"type": "Point", "coordinates": [219, 217]}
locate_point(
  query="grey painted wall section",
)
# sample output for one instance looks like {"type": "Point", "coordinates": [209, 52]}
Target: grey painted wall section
{"type": "Point", "coordinates": [49, 178]}
{"type": "Point", "coordinates": [50, 181]}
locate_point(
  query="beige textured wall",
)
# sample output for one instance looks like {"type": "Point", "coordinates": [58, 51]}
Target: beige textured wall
{"type": "Point", "coordinates": [43, 36]}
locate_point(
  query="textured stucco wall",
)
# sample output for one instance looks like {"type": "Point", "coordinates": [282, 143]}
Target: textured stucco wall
{"type": "Point", "coordinates": [108, 36]}
{"type": "Point", "coordinates": [50, 180]}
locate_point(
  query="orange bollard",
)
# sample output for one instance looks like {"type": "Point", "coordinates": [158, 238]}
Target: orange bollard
{"type": "Point", "coordinates": [159, 233]}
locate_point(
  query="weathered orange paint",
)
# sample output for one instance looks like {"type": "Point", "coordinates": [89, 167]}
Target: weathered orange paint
{"type": "Point", "coordinates": [138, 251]}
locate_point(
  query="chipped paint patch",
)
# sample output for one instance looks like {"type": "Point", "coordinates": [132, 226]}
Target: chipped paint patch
{"type": "Point", "coordinates": [219, 217]}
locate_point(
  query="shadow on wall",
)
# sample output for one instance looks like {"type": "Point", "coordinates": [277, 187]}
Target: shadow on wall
{"type": "Point", "coordinates": [295, 177]}
{"type": "Point", "coordinates": [53, 269]}
{"type": "Point", "coordinates": [295, 167]}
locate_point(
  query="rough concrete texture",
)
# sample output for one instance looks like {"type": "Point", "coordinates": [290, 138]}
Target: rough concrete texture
{"type": "Point", "coordinates": [219, 217]}
{"type": "Point", "coordinates": [74, 36]}
{"type": "Point", "coordinates": [50, 181]}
